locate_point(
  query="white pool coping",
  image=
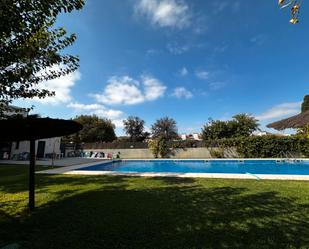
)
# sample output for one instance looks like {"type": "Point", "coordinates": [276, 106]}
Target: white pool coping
{"type": "Point", "coordinates": [73, 170]}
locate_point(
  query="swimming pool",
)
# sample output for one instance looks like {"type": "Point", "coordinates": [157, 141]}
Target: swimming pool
{"type": "Point", "coordinates": [272, 167]}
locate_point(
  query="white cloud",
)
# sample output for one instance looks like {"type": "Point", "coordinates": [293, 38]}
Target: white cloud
{"type": "Point", "coordinates": [97, 109]}
{"type": "Point", "coordinates": [184, 71]}
{"type": "Point", "coordinates": [152, 51]}
{"type": "Point", "coordinates": [221, 6]}
{"type": "Point", "coordinates": [101, 111]}
{"type": "Point", "coordinates": [221, 48]}
{"type": "Point", "coordinates": [177, 49]}
{"type": "Point", "coordinates": [121, 90]}
{"type": "Point", "coordinates": [153, 88]}
{"type": "Point", "coordinates": [128, 91]}
{"type": "Point", "coordinates": [203, 75]}
{"type": "Point", "coordinates": [280, 111]}
{"type": "Point", "coordinates": [118, 123]}
{"type": "Point", "coordinates": [259, 39]}
{"type": "Point", "coordinates": [84, 107]}
{"type": "Point", "coordinates": [181, 92]}
{"type": "Point", "coordinates": [200, 23]}
{"type": "Point", "coordinates": [216, 85]}
{"type": "Point", "coordinates": [165, 13]}
{"type": "Point", "coordinates": [62, 88]}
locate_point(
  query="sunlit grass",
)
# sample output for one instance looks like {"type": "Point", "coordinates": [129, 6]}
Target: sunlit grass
{"type": "Point", "coordinates": [131, 212]}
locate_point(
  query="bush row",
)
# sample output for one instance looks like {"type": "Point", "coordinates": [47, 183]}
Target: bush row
{"type": "Point", "coordinates": [265, 146]}
{"type": "Point", "coordinates": [248, 147]}
{"type": "Point", "coordinates": [118, 144]}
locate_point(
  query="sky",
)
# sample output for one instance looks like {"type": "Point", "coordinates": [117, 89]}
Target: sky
{"type": "Point", "coordinates": [190, 60]}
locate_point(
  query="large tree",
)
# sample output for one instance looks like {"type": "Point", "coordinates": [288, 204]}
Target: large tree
{"type": "Point", "coordinates": [165, 128]}
{"type": "Point", "coordinates": [134, 128]}
{"type": "Point", "coordinates": [216, 129]}
{"type": "Point", "coordinates": [95, 130]}
{"type": "Point", "coordinates": [242, 125]}
{"type": "Point", "coordinates": [31, 49]}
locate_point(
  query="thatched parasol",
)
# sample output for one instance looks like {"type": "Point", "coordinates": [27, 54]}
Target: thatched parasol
{"type": "Point", "coordinates": [294, 122]}
{"type": "Point", "coordinates": [21, 129]}
{"type": "Point", "coordinates": [32, 129]}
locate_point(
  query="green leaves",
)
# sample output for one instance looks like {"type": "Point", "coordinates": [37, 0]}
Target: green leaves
{"type": "Point", "coordinates": [242, 125]}
{"type": "Point", "coordinates": [264, 146]}
{"type": "Point", "coordinates": [165, 128]}
{"type": "Point", "coordinates": [31, 50]}
{"type": "Point", "coordinates": [134, 128]}
{"type": "Point", "coordinates": [159, 147]}
{"type": "Point", "coordinates": [95, 130]}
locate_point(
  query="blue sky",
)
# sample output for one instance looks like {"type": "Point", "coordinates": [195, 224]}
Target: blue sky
{"type": "Point", "coordinates": [189, 60]}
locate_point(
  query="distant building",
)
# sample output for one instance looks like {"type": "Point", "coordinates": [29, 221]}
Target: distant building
{"type": "Point", "coordinates": [260, 133]}
{"type": "Point", "coordinates": [15, 110]}
{"type": "Point", "coordinates": [193, 136]}
{"type": "Point", "coordinates": [266, 133]}
{"type": "Point", "coordinates": [197, 136]}
{"type": "Point", "coordinates": [20, 150]}
{"type": "Point", "coordinates": [6, 147]}
{"type": "Point", "coordinates": [183, 137]}
{"type": "Point", "coordinates": [45, 148]}
{"type": "Point", "coordinates": [123, 138]}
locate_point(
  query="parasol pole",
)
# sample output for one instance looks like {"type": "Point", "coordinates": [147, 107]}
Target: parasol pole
{"type": "Point", "coordinates": [32, 175]}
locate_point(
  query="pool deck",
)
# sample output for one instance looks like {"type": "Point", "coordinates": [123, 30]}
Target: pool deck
{"type": "Point", "coordinates": [73, 170]}
{"type": "Point", "coordinates": [63, 162]}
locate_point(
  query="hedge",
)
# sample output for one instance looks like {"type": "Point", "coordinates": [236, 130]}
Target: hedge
{"type": "Point", "coordinates": [248, 147]}
{"type": "Point", "coordinates": [264, 146]}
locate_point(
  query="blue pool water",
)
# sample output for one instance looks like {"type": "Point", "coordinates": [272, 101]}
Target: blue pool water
{"type": "Point", "coordinates": [203, 166]}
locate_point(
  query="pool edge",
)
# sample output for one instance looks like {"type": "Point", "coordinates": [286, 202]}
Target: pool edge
{"type": "Point", "coordinates": [73, 170]}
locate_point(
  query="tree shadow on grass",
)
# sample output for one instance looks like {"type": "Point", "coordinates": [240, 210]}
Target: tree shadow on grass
{"type": "Point", "coordinates": [176, 180]}
{"type": "Point", "coordinates": [166, 217]}
{"type": "Point", "coordinates": [20, 183]}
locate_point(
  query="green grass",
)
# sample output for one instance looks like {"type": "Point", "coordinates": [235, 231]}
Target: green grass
{"type": "Point", "coordinates": [128, 212]}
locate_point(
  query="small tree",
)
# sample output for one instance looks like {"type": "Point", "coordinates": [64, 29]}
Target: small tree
{"type": "Point", "coordinates": [165, 128]}
{"type": "Point", "coordinates": [95, 130]}
{"type": "Point", "coordinates": [153, 145]}
{"type": "Point", "coordinates": [159, 147]}
{"type": "Point", "coordinates": [31, 50]}
{"type": "Point", "coordinates": [134, 128]}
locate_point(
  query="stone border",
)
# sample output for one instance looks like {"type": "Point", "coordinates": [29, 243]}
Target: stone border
{"type": "Point", "coordinates": [216, 159]}
{"type": "Point", "coordinates": [68, 169]}
{"type": "Point", "coordinates": [73, 170]}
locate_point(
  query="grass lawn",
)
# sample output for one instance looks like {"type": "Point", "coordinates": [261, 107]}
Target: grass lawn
{"type": "Point", "coordinates": [129, 212]}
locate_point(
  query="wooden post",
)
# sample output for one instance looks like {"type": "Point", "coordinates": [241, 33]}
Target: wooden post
{"type": "Point", "coordinates": [32, 176]}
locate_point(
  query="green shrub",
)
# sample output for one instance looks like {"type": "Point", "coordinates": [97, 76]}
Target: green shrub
{"type": "Point", "coordinates": [217, 153]}
{"type": "Point", "coordinates": [159, 147]}
{"type": "Point", "coordinates": [265, 146]}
